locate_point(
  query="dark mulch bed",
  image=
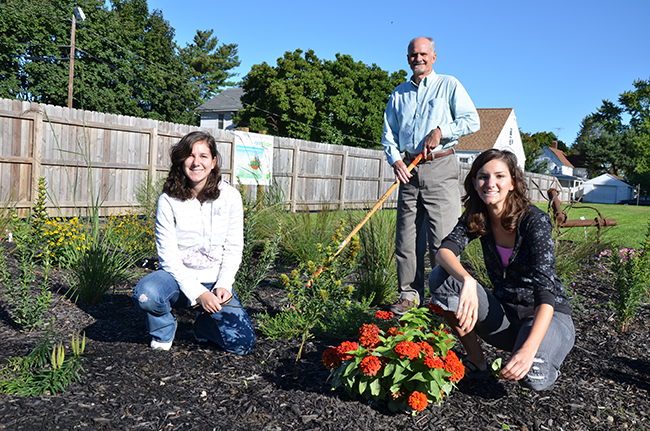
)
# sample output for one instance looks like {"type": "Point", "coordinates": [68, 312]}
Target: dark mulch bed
{"type": "Point", "coordinates": [605, 381]}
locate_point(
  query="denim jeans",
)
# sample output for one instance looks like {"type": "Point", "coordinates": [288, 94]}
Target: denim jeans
{"type": "Point", "coordinates": [504, 331]}
{"type": "Point", "coordinates": [158, 293]}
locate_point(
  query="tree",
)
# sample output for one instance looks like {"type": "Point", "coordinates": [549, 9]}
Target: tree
{"type": "Point", "coordinates": [126, 60]}
{"type": "Point", "coordinates": [610, 145]}
{"type": "Point", "coordinates": [339, 102]}
{"type": "Point", "coordinates": [533, 151]}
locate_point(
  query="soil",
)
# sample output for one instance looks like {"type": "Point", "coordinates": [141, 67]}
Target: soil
{"type": "Point", "coordinates": [127, 386]}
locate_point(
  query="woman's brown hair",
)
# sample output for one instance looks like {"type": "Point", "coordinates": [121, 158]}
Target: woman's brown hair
{"type": "Point", "coordinates": [176, 184]}
{"type": "Point", "coordinates": [516, 202]}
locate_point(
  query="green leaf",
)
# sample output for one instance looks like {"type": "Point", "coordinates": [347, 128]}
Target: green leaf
{"type": "Point", "coordinates": [363, 384]}
{"type": "Point", "coordinates": [375, 387]}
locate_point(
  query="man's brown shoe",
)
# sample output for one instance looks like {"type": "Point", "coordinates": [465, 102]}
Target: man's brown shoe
{"type": "Point", "coordinates": [402, 306]}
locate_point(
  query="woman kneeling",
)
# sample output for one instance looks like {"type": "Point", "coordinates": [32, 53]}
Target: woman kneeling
{"type": "Point", "coordinates": [527, 313]}
{"type": "Point", "coordinates": [199, 237]}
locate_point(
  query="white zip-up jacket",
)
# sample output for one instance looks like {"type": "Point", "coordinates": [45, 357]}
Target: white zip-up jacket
{"type": "Point", "coordinates": [201, 243]}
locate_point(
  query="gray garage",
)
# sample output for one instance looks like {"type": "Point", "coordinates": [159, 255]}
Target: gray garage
{"type": "Point", "coordinates": [607, 189]}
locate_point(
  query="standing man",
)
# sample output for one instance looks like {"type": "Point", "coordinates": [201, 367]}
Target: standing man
{"type": "Point", "coordinates": [425, 115]}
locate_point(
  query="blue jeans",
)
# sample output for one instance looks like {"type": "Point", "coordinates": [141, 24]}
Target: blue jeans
{"type": "Point", "coordinates": [504, 331]}
{"type": "Point", "coordinates": [156, 295]}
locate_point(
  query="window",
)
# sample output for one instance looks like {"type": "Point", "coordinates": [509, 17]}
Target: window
{"type": "Point", "coordinates": [464, 159]}
{"type": "Point", "coordinates": [220, 122]}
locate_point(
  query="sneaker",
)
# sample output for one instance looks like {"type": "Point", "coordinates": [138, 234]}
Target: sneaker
{"type": "Point", "coordinates": [157, 345]}
{"type": "Point", "coordinates": [402, 306]}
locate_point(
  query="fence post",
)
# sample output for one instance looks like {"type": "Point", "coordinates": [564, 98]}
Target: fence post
{"type": "Point", "coordinates": [294, 178]}
{"type": "Point", "coordinates": [343, 184]}
{"type": "Point", "coordinates": [153, 154]}
{"type": "Point", "coordinates": [37, 149]}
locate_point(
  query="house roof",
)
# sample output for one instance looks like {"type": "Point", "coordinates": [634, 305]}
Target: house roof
{"type": "Point", "coordinates": [226, 101]}
{"type": "Point", "coordinates": [492, 122]}
{"type": "Point", "coordinates": [561, 157]}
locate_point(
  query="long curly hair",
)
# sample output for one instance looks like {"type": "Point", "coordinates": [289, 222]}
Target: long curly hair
{"type": "Point", "coordinates": [516, 203]}
{"type": "Point", "coordinates": [177, 185]}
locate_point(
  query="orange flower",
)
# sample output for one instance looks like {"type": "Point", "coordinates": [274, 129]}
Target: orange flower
{"type": "Point", "coordinates": [434, 362]}
{"type": "Point", "coordinates": [385, 315]}
{"type": "Point", "coordinates": [344, 348]}
{"type": "Point", "coordinates": [331, 358]}
{"type": "Point", "coordinates": [426, 348]}
{"type": "Point", "coordinates": [418, 401]}
{"type": "Point", "coordinates": [368, 336]}
{"type": "Point", "coordinates": [370, 365]}
{"type": "Point", "coordinates": [454, 366]}
{"type": "Point", "coordinates": [407, 348]}
{"type": "Point", "coordinates": [394, 332]}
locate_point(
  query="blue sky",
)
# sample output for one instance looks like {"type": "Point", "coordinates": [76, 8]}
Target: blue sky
{"type": "Point", "coordinates": [553, 61]}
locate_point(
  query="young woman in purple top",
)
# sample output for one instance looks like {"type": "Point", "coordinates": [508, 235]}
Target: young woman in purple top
{"type": "Point", "coordinates": [527, 311]}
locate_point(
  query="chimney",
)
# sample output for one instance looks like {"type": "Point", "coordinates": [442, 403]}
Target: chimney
{"type": "Point", "coordinates": [554, 145]}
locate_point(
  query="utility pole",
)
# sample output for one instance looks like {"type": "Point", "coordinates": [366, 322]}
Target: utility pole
{"type": "Point", "coordinates": [77, 13]}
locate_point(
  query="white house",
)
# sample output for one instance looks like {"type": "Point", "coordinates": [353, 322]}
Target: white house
{"type": "Point", "coordinates": [499, 129]}
{"type": "Point", "coordinates": [559, 165]}
{"type": "Point", "coordinates": [606, 189]}
{"type": "Point", "coordinates": [217, 112]}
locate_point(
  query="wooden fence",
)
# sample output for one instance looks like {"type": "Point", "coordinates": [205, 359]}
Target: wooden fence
{"type": "Point", "coordinates": [90, 157]}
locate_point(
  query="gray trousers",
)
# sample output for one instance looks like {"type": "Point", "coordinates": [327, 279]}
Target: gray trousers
{"type": "Point", "coordinates": [505, 331]}
{"type": "Point", "coordinates": [428, 205]}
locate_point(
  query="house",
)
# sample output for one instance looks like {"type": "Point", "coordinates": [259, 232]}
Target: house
{"type": "Point", "coordinates": [499, 130]}
{"type": "Point", "coordinates": [606, 189]}
{"type": "Point", "coordinates": [217, 113]}
{"type": "Point", "coordinates": [560, 166]}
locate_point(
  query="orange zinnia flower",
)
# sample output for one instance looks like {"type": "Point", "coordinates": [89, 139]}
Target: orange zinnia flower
{"type": "Point", "coordinates": [394, 331]}
{"type": "Point", "coordinates": [418, 401]}
{"type": "Point", "coordinates": [385, 315]}
{"type": "Point", "coordinates": [434, 362]}
{"type": "Point", "coordinates": [454, 366]}
{"type": "Point", "coordinates": [426, 348]}
{"type": "Point", "coordinates": [368, 336]}
{"type": "Point", "coordinates": [407, 348]}
{"type": "Point", "coordinates": [344, 348]}
{"type": "Point", "coordinates": [370, 365]}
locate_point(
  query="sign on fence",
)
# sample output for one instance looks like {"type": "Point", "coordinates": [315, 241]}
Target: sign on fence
{"type": "Point", "coordinates": [253, 158]}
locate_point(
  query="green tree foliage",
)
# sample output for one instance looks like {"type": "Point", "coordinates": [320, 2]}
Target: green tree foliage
{"type": "Point", "coordinates": [533, 145]}
{"type": "Point", "coordinates": [126, 60]}
{"type": "Point", "coordinates": [338, 102]}
{"type": "Point", "coordinates": [611, 145]}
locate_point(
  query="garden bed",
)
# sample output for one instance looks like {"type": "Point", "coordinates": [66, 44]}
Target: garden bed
{"type": "Point", "coordinates": [126, 385]}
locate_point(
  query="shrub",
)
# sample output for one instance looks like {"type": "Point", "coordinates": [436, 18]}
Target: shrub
{"type": "Point", "coordinates": [132, 234]}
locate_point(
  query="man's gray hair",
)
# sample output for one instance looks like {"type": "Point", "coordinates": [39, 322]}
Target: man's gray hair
{"type": "Point", "coordinates": [431, 42]}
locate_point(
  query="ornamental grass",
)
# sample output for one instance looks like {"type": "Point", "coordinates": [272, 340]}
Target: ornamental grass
{"type": "Point", "coordinates": [406, 366]}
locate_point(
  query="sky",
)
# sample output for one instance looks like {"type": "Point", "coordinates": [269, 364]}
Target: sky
{"type": "Point", "coordinates": [554, 61]}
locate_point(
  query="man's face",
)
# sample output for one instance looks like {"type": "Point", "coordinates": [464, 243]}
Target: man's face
{"type": "Point", "coordinates": [421, 58]}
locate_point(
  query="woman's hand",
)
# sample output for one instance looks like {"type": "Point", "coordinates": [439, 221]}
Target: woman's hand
{"type": "Point", "coordinates": [211, 302]}
{"type": "Point", "coordinates": [467, 313]}
{"type": "Point", "coordinates": [518, 365]}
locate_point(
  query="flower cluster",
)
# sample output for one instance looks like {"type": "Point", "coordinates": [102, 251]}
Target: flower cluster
{"type": "Point", "coordinates": [65, 240]}
{"type": "Point", "coordinates": [407, 366]}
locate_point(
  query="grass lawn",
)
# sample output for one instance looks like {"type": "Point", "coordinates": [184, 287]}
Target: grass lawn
{"type": "Point", "coordinates": [631, 222]}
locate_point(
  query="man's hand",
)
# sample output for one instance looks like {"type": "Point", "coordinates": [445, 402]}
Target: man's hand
{"type": "Point", "coordinates": [211, 302]}
{"type": "Point", "coordinates": [432, 141]}
{"type": "Point", "coordinates": [402, 174]}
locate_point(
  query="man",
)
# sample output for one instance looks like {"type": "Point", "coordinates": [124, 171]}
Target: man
{"type": "Point", "coordinates": [425, 115]}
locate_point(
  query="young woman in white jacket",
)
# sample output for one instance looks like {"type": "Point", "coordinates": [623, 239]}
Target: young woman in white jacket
{"type": "Point", "coordinates": [199, 237]}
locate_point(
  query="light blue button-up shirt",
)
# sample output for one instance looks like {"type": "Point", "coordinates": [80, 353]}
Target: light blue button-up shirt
{"type": "Point", "coordinates": [413, 111]}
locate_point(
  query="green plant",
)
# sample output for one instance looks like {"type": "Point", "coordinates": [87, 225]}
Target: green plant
{"type": "Point", "coordinates": [376, 275]}
{"type": "Point", "coordinates": [472, 259]}
{"type": "Point", "coordinates": [131, 234]}
{"type": "Point", "coordinates": [99, 269]}
{"type": "Point", "coordinates": [304, 231]}
{"type": "Point", "coordinates": [27, 303]}
{"type": "Point", "coordinates": [260, 246]}
{"type": "Point", "coordinates": [313, 291]}
{"type": "Point", "coordinates": [405, 366]}
{"type": "Point", "coordinates": [343, 322]}
{"type": "Point", "coordinates": [66, 241]}
{"type": "Point", "coordinates": [631, 270]}
{"type": "Point", "coordinates": [45, 370]}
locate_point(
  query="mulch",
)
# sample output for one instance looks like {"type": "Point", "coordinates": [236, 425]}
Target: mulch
{"type": "Point", "coordinates": [127, 386]}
